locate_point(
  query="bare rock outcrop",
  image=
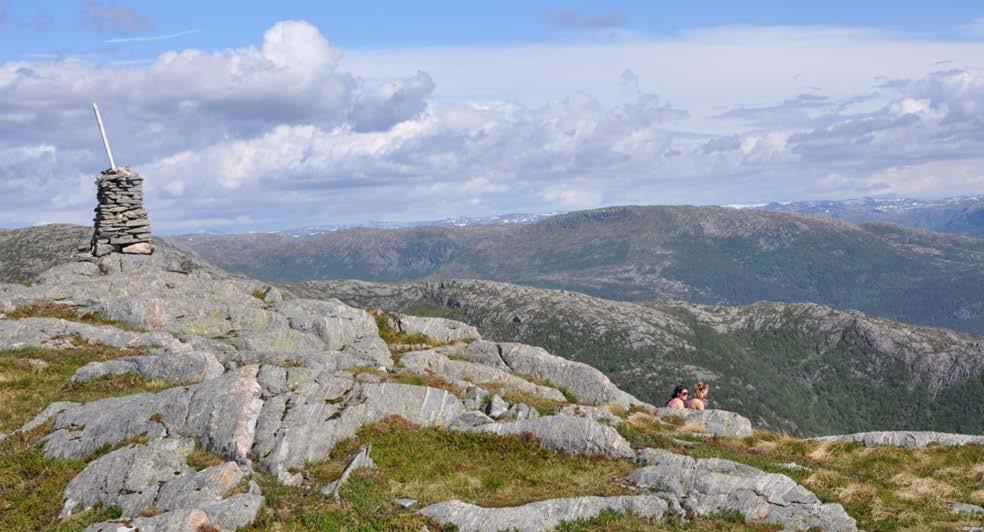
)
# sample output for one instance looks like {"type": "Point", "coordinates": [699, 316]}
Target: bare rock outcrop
{"type": "Point", "coordinates": [906, 438]}
{"type": "Point", "coordinates": [541, 515]}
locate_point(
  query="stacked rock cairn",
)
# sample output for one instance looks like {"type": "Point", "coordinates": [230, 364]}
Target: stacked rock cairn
{"type": "Point", "coordinates": [122, 225]}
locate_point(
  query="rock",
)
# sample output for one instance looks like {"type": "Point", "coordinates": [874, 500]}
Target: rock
{"type": "Point", "coordinates": [440, 329]}
{"type": "Point", "coordinates": [234, 512]}
{"type": "Point", "coordinates": [182, 366]}
{"type": "Point", "coordinates": [540, 515]}
{"type": "Point", "coordinates": [567, 434]}
{"type": "Point", "coordinates": [141, 248]}
{"type": "Point", "coordinates": [130, 477]}
{"type": "Point", "coordinates": [472, 418]}
{"type": "Point", "coordinates": [36, 365]}
{"type": "Point", "coordinates": [361, 460]}
{"type": "Point", "coordinates": [434, 362]}
{"type": "Point", "coordinates": [49, 412]}
{"type": "Point", "coordinates": [339, 326]}
{"type": "Point", "coordinates": [710, 485]}
{"type": "Point", "coordinates": [908, 439]}
{"type": "Point", "coordinates": [716, 422]}
{"type": "Point", "coordinates": [959, 507]}
{"type": "Point", "coordinates": [221, 413]}
{"type": "Point", "coordinates": [496, 407]}
{"type": "Point", "coordinates": [406, 504]}
{"type": "Point", "coordinates": [304, 426]}
{"type": "Point", "coordinates": [57, 334]}
{"type": "Point", "coordinates": [794, 466]}
{"type": "Point", "coordinates": [591, 412]}
{"type": "Point", "coordinates": [588, 385]}
{"type": "Point", "coordinates": [483, 352]}
{"type": "Point", "coordinates": [520, 411]}
{"type": "Point", "coordinates": [475, 398]}
{"type": "Point", "coordinates": [175, 521]}
{"type": "Point", "coordinates": [194, 490]}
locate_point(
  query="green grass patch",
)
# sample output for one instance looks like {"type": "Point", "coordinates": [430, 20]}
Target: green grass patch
{"type": "Point", "coordinates": [52, 309]}
{"type": "Point", "coordinates": [432, 465]}
{"type": "Point", "coordinates": [26, 389]}
{"type": "Point", "coordinates": [31, 486]}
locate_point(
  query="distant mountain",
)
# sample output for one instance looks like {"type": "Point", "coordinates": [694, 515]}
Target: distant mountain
{"type": "Point", "coordinates": [700, 254]}
{"type": "Point", "coordinates": [459, 221]}
{"type": "Point", "coordinates": [787, 366]}
{"type": "Point", "coordinates": [960, 215]}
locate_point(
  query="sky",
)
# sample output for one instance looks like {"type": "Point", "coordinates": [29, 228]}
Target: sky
{"type": "Point", "coordinates": [290, 114]}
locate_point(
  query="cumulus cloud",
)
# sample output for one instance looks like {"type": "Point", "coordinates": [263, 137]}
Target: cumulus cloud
{"type": "Point", "coordinates": [279, 135]}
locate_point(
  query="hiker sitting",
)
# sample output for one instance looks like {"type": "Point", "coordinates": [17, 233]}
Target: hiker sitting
{"type": "Point", "coordinates": [700, 393]}
{"type": "Point", "coordinates": [679, 398]}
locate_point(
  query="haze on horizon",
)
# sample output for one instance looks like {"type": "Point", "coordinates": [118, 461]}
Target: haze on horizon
{"type": "Point", "coordinates": [247, 118]}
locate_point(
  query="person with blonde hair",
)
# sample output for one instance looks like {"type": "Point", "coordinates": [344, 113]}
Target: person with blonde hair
{"type": "Point", "coordinates": [700, 392]}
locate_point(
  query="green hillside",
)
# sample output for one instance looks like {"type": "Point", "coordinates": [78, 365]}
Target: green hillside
{"type": "Point", "coordinates": [698, 254]}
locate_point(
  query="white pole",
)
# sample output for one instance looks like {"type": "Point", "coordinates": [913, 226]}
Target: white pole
{"type": "Point", "coordinates": [102, 131]}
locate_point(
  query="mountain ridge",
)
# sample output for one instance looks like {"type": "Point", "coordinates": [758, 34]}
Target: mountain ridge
{"type": "Point", "coordinates": [711, 255]}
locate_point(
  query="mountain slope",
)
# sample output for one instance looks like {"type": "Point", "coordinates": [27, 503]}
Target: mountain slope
{"type": "Point", "coordinates": [800, 367]}
{"type": "Point", "coordinates": [701, 254]}
{"type": "Point", "coordinates": [962, 215]}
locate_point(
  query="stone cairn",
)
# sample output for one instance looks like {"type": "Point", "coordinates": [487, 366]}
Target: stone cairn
{"type": "Point", "coordinates": [122, 225]}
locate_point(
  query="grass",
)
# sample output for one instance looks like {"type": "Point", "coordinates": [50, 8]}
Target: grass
{"type": "Point", "coordinates": [432, 465]}
{"type": "Point", "coordinates": [25, 389]}
{"type": "Point", "coordinates": [52, 309]}
{"type": "Point", "coordinates": [31, 486]}
{"type": "Point", "coordinates": [883, 488]}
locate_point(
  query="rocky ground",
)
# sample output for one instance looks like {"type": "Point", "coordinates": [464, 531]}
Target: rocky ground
{"type": "Point", "coordinates": [255, 387]}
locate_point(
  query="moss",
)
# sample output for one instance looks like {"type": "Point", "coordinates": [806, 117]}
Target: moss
{"type": "Point", "coordinates": [258, 294]}
{"type": "Point", "coordinates": [52, 309]}
{"type": "Point", "coordinates": [200, 458]}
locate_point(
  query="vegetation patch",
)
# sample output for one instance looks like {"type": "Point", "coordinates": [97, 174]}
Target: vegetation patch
{"type": "Point", "coordinates": [433, 465]}
{"type": "Point", "coordinates": [883, 488]}
{"type": "Point", "coordinates": [32, 378]}
{"type": "Point", "coordinates": [52, 309]}
{"type": "Point", "coordinates": [31, 486]}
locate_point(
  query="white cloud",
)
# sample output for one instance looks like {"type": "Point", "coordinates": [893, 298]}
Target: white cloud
{"type": "Point", "coordinates": [280, 134]}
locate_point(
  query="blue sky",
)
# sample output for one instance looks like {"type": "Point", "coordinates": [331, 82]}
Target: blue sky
{"type": "Point", "coordinates": [255, 116]}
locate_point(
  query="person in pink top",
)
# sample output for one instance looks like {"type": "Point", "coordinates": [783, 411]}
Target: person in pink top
{"type": "Point", "coordinates": [679, 398]}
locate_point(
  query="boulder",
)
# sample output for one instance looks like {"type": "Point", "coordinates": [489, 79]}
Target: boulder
{"type": "Point", "coordinates": [497, 407]}
{"type": "Point", "coordinates": [173, 364]}
{"type": "Point", "coordinates": [963, 508]}
{"type": "Point", "coordinates": [716, 422]}
{"type": "Point", "coordinates": [540, 515]}
{"type": "Point", "coordinates": [567, 434]}
{"type": "Point", "coordinates": [707, 486]}
{"type": "Point", "coordinates": [906, 438]}
{"type": "Point", "coordinates": [434, 362]}
{"type": "Point", "coordinates": [130, 477]}
{"type": "Point", "coordinates": [440, 329]}
{"type": "Point", "coordinates": [588, 385]}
